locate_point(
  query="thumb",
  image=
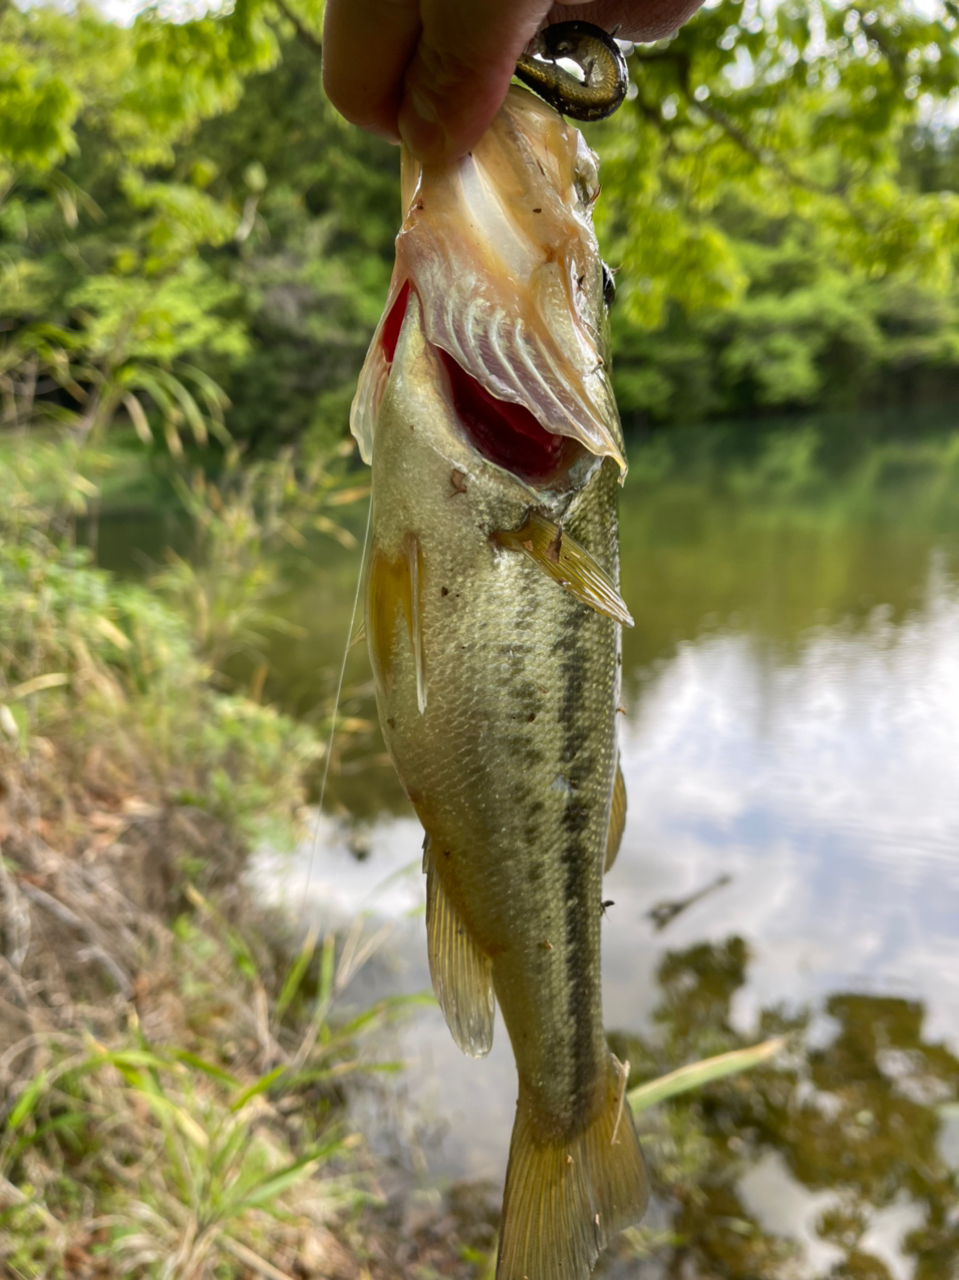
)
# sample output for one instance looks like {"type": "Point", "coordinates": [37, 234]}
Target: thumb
{"type": "Point", "coordinates": [461, 71]}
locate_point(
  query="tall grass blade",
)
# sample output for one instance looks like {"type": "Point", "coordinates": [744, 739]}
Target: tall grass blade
{"type": "Point", "coordinates": [208, 1068]}
{"type": "Point", "coordinates": [255, 1089]}
{"type": "Point", "coordinates": [698, 1074]}
{"type": "Point", "coordinates": [291, 983]}
{"type": "Point", "coordinates": [27, 1102]}
{"type": "Point", "coordinates": [268, 1189]}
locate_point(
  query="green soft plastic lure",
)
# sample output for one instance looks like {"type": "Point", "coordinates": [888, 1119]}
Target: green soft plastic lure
{"type": "Point", "coordinates": [603, 86]}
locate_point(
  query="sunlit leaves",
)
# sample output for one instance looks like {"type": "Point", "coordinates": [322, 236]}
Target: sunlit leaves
{"type": "Point", "coordinates": [37, 110]}
{"type": "Point", "coordinates": [190, 71]}
{"type": "Point", "coordinates": [761, 141]}
{"type": "Point", "coordinates": [129, 317]}
{"type": "Point", "coordinates": [157, 238]}
{"type": "Point", "coordinates": [800, 110]}
{"type": "Point", "coordinates": [777, 171]}
{"type": "Point", "coordinates": [180, 218]}
{"type": "Point", "coordinates": [85, 107]}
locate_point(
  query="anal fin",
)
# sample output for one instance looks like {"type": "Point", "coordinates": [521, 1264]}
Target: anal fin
{"type": "Point", "coordinates": [565, 1199]}
{"type": "Point", "coordinates": [462, 975]}
{"type": "Point", "coordinates": [617, 818]}
{"type": "Point", "coordinates": [566, 562]}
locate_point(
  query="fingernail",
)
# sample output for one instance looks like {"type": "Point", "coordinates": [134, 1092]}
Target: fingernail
{"type": "Point", "coordinates": [420, 128]}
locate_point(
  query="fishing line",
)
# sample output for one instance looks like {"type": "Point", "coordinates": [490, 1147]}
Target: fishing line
{"type": "Point", "coordinates": [336, 700]}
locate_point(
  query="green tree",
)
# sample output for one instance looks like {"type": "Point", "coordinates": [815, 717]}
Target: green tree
{"type": "Point", "coordinates": [779, 203]}
{"type": "Point", "coordinates": [105, 290]}
{"type": "Point", "coordinates": [184, 220]}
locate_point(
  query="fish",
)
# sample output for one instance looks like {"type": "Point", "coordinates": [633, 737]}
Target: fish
{"type": "Point", "coordinates": [493, 618]}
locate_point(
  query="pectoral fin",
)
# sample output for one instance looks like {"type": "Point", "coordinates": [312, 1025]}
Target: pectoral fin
{"type": "Point", "coordinates": [462, 975]}
{"type": "Point", "coordinates": [617, 818]}
{"type": "Point", "coordinates": [394, 584]}
{"type": "Point", "coordinates": [567, 563]}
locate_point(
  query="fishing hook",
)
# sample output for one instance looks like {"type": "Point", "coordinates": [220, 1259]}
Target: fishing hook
{"type": "Point", "coordinates": [605, 79]}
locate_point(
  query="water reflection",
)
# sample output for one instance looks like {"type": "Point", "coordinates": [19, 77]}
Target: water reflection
{"type": "Point", "coordinates": [825, 786]}
{"type": "Point", "coordinates": [833, 1163]}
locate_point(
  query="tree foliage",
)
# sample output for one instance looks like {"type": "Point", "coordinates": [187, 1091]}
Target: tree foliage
{"type": "Point", "coordinates": [191, 239]}
{"type": "Point", "coordinates": [778, 195]}
{"type": "Point", "coordinates": [104, 283]}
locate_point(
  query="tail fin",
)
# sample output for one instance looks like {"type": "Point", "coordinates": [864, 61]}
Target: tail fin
{"type": "Point", "coordinates": [565, 1200]}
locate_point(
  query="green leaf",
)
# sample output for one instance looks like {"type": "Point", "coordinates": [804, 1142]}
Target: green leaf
{"type": "Point", "coordinates": [327, 957]}
{"type": "Point", "coordinates": [208, 1068]}
{"type": "Point", "coordinates": [258, 1087]}
{"type": "Point", "coordinates": [27, 1102]}
{"type": "Point", "coordinates": [191, 410]}
{"type": "Point", "coordinates": [139, 419]}
{"type": "Point", "coordinates": [697, 1074]}
{"type": "Point", "coordinates": [291, 983]}
{"type": "Point", "coordinates": [267, 1189]}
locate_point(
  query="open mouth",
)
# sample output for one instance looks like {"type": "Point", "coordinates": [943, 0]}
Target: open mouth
{"type": "Point", "coordinates": [503, 432]}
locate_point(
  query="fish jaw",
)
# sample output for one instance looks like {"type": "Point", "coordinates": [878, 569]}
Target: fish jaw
{"type": "Point", "coordinates": [500, 249]}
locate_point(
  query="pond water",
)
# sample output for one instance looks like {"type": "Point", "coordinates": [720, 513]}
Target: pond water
{"type": "Point", "coordinates": [790, 861]}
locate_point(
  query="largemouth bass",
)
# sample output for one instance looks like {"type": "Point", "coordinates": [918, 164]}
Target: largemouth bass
{"type": "Point", "coordinates": [493, 617]}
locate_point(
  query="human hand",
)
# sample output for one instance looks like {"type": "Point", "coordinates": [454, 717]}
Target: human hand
{"type": "Point", "coordinates": [435, 72]}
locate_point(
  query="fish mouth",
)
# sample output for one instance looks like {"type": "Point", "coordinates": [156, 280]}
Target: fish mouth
{"type": "Point", "coordinates": [500, 252]}
{"type": "Point", "coordinates": [507, 434]}
{"type": "Point", "coordinates": [503, 432]}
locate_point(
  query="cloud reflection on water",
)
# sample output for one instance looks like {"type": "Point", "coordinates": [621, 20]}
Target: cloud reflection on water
{"type": "Point", "coordinates": [826, 786]}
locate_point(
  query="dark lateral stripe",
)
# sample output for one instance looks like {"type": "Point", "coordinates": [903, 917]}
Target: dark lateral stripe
{"type": "Point", "coordinates": [580, 978]}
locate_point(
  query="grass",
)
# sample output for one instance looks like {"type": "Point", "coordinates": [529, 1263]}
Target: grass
{"type": "Point", "coordinates": [172, 1085]}
{"type": "Point", "coordinates": [155, 1160]}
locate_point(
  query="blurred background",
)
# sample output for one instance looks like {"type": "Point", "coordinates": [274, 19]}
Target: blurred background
{"type": "Point", "coordinates": [216, 1054]}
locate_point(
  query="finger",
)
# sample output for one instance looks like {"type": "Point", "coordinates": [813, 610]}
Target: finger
{"type": "Point", "coordinates": [367, 46]}
{"type": "Point", "coordinates": [461, 70]}
{"type": "Point", "coordinates": [636, 19]}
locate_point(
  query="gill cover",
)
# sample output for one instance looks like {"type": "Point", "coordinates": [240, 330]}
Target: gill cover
{"type": "Point", "coordinates": [500, 250]}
